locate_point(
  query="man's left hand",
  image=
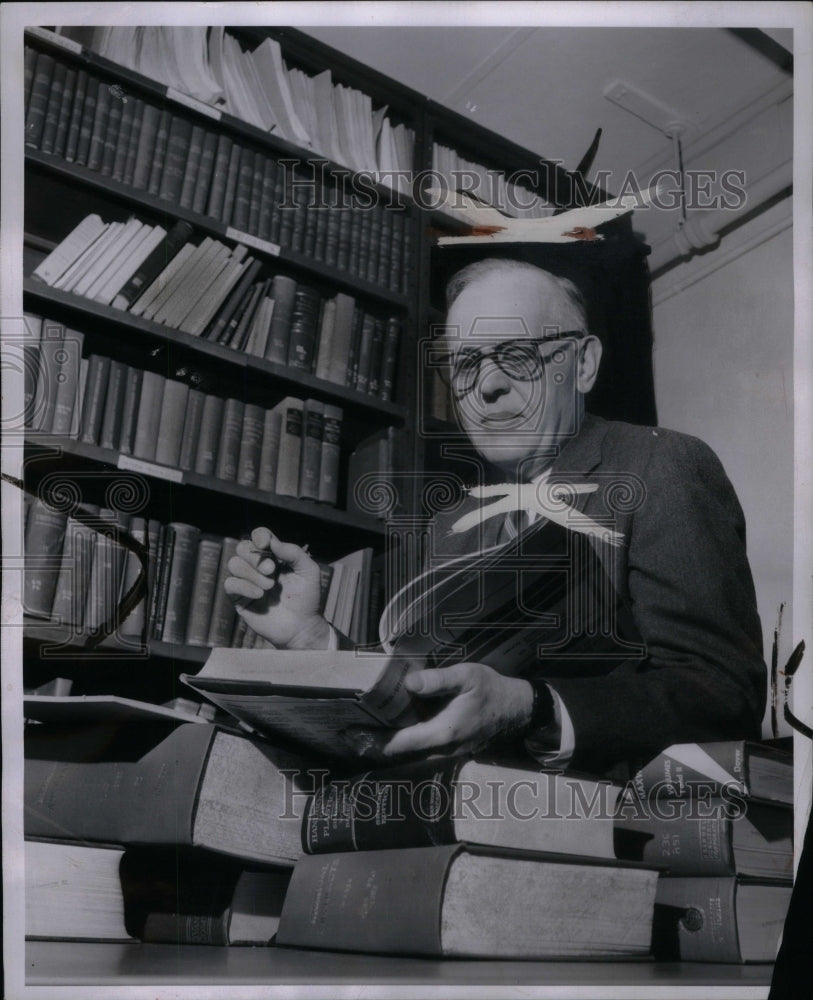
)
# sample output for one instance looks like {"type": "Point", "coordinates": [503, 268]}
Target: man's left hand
{"type": "Point", "coordinates": [479, 705]}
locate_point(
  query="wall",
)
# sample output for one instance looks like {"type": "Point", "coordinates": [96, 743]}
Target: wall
{"type": "Point", "coordinates": [723, 358]}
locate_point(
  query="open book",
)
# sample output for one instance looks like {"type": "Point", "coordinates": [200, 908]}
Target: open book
{"type": "Point", "coordinates": [541, 603]}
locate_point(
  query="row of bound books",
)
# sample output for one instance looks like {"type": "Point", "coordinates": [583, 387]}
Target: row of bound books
{"type": "Point", "coordinates": [519, 863]}
{"type": "Point", "coordinates": [258, 87]}
{"type": "Point", "coordinates": [82, 119]}
{"type": "Point", "coordinates": [158, 276]}
{"type": "Point", "coordinates": [78, 573]}
{"type": "Point", "coordinates": [291, 449]}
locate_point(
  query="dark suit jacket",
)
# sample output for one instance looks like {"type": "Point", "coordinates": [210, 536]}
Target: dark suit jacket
{"type": "Point", "coordinates": [683, 571]}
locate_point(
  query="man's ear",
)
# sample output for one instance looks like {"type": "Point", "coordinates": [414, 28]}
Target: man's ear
{"type": "Point", "coordinates": [589, 360]}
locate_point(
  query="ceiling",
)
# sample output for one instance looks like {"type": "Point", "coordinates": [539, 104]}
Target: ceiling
{"type": "Point", "coordinates": [543, 87]}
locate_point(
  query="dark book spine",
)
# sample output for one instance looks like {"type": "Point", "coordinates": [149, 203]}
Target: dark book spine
{"type": "Point", "coordinates": [242, 194]}
{"type": "Point", "coordinates": [170, 423]}
{"type": "Point", "coordinates": [96, 147]}
{"type": "Point", "coordinates": [269, 451]}
{"type": "Point", "coordinates": [44, 535]}
{"type": "Point", "coordinates": [322, 216]}
{"type": "Point", "coordinates": [149, 414]}
{"type": "Point", "coordinates": [204, 582]}
{"type": "Point", "coordinates": [191, 429]}
{"type": "Point", "coordinates": [66, 418]}
{"type": "Point", "coordinates": [370, 271]}
{"type": "Point", "coordinates": [365, 232]}
{"type": "Point", "coordinates": [266, 199]}
{"type": "Point", "coordinates": [355, 347]}
{"type": "Point", "coordinates": [124, 138]}
{"type": "Point", "coordinates": [178, 140]}
{"type": "Point", "coordinates": [218, 329]}
{"type": "Point", "coordinates": [248, 462]}
{"type": "Point", "coordinates": [331, 452]}
{"type": "Point", "coordinates": [53, 107]}
{"type": "Point", "coordinates": [133, 141]}
{"type": "Point", "coordinates": [220, 171]}
{"type": "Point", "coordinates": [129, 415]}
{"type": "Point", "coordinates": [277, 201]}
{"type": "Point", "coordinates": [389, 359]}
{"type": "Point", "coordinates": [112, 135]}
{"type": "Point", "coordinates": [230, 190]}
{"type": "Point", "coordinates": [283, 291]}
{"type": "Point", "coordinates": [38, 102]}
{"type": "Point", "coordinates": [145, 151]}
{"type": "Point", "coordinates": [290, 449]}
{"type": "Point", "coordinates": [110, 434]}
{"type": "Point", "coordinates": [399, 221]}
{"type": "Point", "coordinates": [345, 222]}
{"type": "Point", "coordinates": [313, 419]}
{"type": "Point", "coordinates": [221, 624]}
{"type": "Point", "coordinates": [286, 206]}
{"type": "Point", "coordinates": [304, 327]}
{"type": "Point", "coordinates": [312, 214]}
{"type": "Point", "coordinates": [159, 153]}
{"type": "Point", "coordinates": [334, 219]}
{"type": "Point", "coordinates": [301, 196]}
{"type": "Point", "coordinates": [372, 813]}
{"type": "Point", "coordinates": [192, 167]}
{"type": "Point", "coordinates": [406, 256]}
{"type": "Point", "coordinates": [203, 177]}
{"type": "Point", "coordinates": [354, 244]}
{"type": "Point", "coordinates": [256, 194]}
{"type": "Point", "coordinates": [88, 117]}
{"type": "Point", "coordinates": [237, 330]}
{"type": "Point", "coordinates": [95, 394]}
{"type": "Point", "coordinates": [29, 66]}
{"type": "Point", "coordinates": [228, 449]}
{"type": "Point", "coordinates": [384, 249]}
{"type": "Point", "coordinates": [184, 556]}
{"type": "Point", "coordinates": [72, 141]}
{"type": "Point", "coordinates": [362, 361]}
{"type": "Point", "coordinates": [163, 581]}
{"type": "Point", "coordinates": [376, 356]}
{"type": "Point", "coordinates": [206, 455]}
{"type": "Point", "coordinates": [180, 234]}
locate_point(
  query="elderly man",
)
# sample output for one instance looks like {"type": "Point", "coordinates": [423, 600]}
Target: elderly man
{"type": "Point", "coordinates": [520, 362]}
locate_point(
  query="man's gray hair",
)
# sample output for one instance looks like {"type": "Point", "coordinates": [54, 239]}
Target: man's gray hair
{"type": "Point", "coordinates": [497, 265]}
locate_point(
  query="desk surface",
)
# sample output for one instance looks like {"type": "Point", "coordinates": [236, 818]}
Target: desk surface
{"type": "Point", "coordinates": [74, 963]}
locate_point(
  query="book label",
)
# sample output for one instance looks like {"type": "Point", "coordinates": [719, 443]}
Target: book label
{"type": "Point", "coordinates": [193, 103]}
{"type": "Point", "coordinates": [252, 241]}
{"type": "Point", "coordinates": [55, 39]}
{"type": "Point", "coordinates": [149, 468]}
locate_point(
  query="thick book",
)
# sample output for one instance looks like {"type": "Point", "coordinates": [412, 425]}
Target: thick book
{"type": "Point", "coordinates": [181, 897]}
{"type": "Point", "coordinates": [290, 446]}
{"type": "Point", "coordinates": [709, 837]}
{"type": "Point", "coordinates": [228, 449]}
{"type": "Point", "coordinates": [73, 892]}
{"type": "Point", "coordinates": [450, 800]}
{"type": "Point", "coordinates": [335, 367]}
{"type": "Point", "coordinates": [170, 422]}
{"type": "Point", "coordinates": [747, 769]}
{"type": "Point", "coordinates": [204, 583]}
{"type": "Point", "coordinates": [223, 614]}
{"type": "Point", "coordinates": [726, 919]}
{"type": "Point", "coordinates": [331, 452]}
{"type": "Point", "coordinates": [180, 580]}
{"type": "Point", "coordinates": [148, 271]}
{"type": "Point", "coordinates": [313, 422]}
{"type": "Point", "coordinates": [44, 537]}
{"type": "Point", "coordinates": [283, 291]}
{"type": "Point", "coordinates": [462, 902]}
{"type": "Point", "coordinates": [197, 786]}
{"type": "Point", "coordinates": [309, 696]}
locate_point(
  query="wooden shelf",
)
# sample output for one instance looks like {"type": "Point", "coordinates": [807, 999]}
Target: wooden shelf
{"type": "Point", "coordinates": [205, 223]}
{"type": "Point", "coordinates": [96, 964]}
{"type": "Point", "coordinates": [220, 487]}
{"type": "Point", "coordinates": [384, 412]}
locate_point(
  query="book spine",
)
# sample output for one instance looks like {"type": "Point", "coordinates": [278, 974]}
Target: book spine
{"type": "Point", "coordinates": [242, 195]}
{"type": "Point", "coordinates": [38, 101]}
{"type": "Point", "coordinates": [177, 153]}
{"type": "Point", "coordinates": [266, 199]}
{"type": "Point", "coordinates": [129, 414]}
{"type": "Point", "coordinates": [228, 449]}
{"type": "Point", "coordinates": [70, 593]}
{"type": "Point", "coordinates": [269, 451]}
{"type": "Point", "coordinates": [191, 429]}
{"type": "Point", "coordinates": [382, 277]}
{"type": "Point", "coordinates": [313, 419]}
{"type": "Point", "coordinates": [44, 536]}
{"type": "Point", "coordinates": [72, 140]}
{"type": "Point", "coordinates": [389, 359]}
{"type": "Point", "coordinates": [230, 189]}
{"type": "Point", "coordinates": [133, 624]}
{"type": "Point", "coordinates": [373, 248]}
{"type": "Point", "coordinates": [170, 423]}
{"type": "Point", "coordinates": [203, 177]}
{"type": "Point", "coordinates": [159, 153]}
{"type": "Point", "coordinates": [111, 135]}
{"type": "Point", "coordinates": [181, 578]}
{"type": "Point", "coordinates": [221, 624]}
{"type": "Point", "coordinates": [283, 291]}
{"type": "Point", "coordinates": [202, 600]}
{"type": "Point", "coordinates": [376, 357]}
{"type": "Point", "coordinates": [365, 350]}
{"type": "Point", "coordinates": [331, 451]}
{"type": "Point", "coordinates": [124, 138]}
{"type": "Point", "coordinates": [149, 415]}
{"type": "Point", "coordinates": [180, 234]}
{"type": "Point", "coordinates": [290, 448]}
{"type": "Point", "coordinates": [256, 194]}
{"type": "Point", "coordinates": [110, 434]}
{"type": "Point", "coordinates": [66, 418]}
{"type": "Point", "coordinates": [88, 117]}
{"type": "Point", "coordinates": [220, 171]}
{"type": "Point", "coordinates": [106, 573]}
{"type": "Point", "coordinates": [53, 107]}
{"type": "Point", "coordinates": [162, 577]}
{"type": "Point", "coordinates": [99, 128]}
{"type": "Point", "coordinates": [29, 66]}
{"type": "Point", "coordinates": [144, 156]}
{"type": "Point", "coordinates": [344, 217]}
{"type": "Point", "coordinates": [95, 396]}
{"type": "Point", "coordinates": [134, 142]}
{"type": "Point", "coordinates": [304, 325]}
{"type": "Point", "coordinates": [248, 463]}
{"type": "Point", "coordinates": [210, 423]}
{"type": "Point", "coordinates": [696, 920]}
{"type": "Point", "coordinates": [399, 221]}
{"type": "Point", "coordinates": [192, 167]}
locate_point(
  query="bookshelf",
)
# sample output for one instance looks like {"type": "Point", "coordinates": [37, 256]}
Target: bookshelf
{"type": "Point", "coordinates": [59, 194]}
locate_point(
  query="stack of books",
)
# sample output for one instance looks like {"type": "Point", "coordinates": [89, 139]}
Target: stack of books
{"type": "Point", "coordinates": [76, 115]}
{"type": "Point", "coordinates": [719, 816]}
{"type": "Point", "coordinates": [131, 266]}
{"type": "Point", "coordinates": [78, 572]}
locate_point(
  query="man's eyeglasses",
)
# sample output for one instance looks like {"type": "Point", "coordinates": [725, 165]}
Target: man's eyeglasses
{"type": "Point", "coordinates": [522, 360]}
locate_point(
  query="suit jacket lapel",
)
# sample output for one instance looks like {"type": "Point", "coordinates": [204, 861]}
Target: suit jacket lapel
{"type": "Point", "coordinates": [581, 455]}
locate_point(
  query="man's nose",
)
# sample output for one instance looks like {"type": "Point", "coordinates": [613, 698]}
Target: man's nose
{"type": "Point", "coordinates": [493, 382]}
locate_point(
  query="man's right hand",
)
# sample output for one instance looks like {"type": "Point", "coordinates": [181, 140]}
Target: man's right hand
{"type": "Point", "coordinates": [276, 588]}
